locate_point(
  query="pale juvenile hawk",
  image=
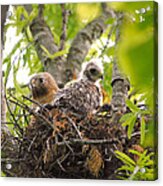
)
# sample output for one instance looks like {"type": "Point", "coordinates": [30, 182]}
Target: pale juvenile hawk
{"type": "Point", "coordinates": [83, 96]}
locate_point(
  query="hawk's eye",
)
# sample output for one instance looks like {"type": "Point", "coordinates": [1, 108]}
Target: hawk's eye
{"type": "Point", "coordinates": [41, 80]}
{"type": "Point", "coordinates": [93, 71]}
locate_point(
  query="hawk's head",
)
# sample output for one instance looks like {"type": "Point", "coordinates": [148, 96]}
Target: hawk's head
{"type": "Point", "coordinates": [92, 72]}
{"type": "Point", "coordinates": [42, 84]}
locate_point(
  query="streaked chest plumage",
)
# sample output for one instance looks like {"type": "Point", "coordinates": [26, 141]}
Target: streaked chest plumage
{"type": "Point", "coordinates": [80, 98]}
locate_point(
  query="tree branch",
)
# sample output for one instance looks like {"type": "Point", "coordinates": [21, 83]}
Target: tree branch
{"type": "Point", "coordinates": [82, 43]}
{"type": "Point", "coordinates": [88, 142]}
{"type": "Point", "coordinates": [4, 128]}
{"type": "Point", "coordinates": [4, 9]}
{"type": "Point", "coordinates": [65, 14]}
{"type": "Point", "coordinates": [64, 70]}
{"type": "Point", "coordinates": [119, 82]}
{"type": "Point", "coordinates": [43, 37]}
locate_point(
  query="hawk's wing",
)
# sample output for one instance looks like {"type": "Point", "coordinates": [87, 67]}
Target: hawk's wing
{"type": "Point", "coordinates": [80, 98]}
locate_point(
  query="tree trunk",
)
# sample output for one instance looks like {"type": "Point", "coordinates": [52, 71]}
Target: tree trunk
{"type": "Point", "coordinates": [119, 82]}
{"type": "Point", "coordinates": [4, 9]}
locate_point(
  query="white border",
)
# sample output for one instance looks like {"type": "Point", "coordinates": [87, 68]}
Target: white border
{"type": "Point", "coordinates": [64, 182]}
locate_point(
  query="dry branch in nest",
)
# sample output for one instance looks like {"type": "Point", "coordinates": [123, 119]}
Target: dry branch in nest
{"type": "Point", "coordinates": [63, 147]}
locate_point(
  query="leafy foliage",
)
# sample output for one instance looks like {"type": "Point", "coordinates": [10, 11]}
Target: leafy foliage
{"type": "Point", "coordinates": [142, 169]}
{"type": "Point", "coordinates": [137, 48]}
{"type": "Point", "coordinates": [136, 56]}
{"type": "Point", "coordinates": [130, 119]}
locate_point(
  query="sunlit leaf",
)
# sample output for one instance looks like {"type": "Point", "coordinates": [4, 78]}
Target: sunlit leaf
{"type": "Point", "coordinates": [131, 125]}
{"type": "Point", "coordinates": [29, 34]}
{"type": "Point", "coordinates": [124, 158]}
{"type": "Point", "coordinates": [56, 54]}
{"type": "Point", "coordinates": [126, 117]}
{"type": "Point", "coordinates": [132, 106]}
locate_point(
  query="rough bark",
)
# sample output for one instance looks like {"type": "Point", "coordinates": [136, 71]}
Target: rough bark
{"type": "Point", "coordinates": [43, 37]}
{"type": "Point", "coordinates": [4, 9]}
{"type": "Point", "coordinates": [63, 69]}
{"type": "Point", "coordinates": [119, 82]}
{"type": "Point", "coordinates": [120, 89]}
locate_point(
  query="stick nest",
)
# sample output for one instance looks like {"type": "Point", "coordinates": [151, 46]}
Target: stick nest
{"type": "Point", "coordinates": [65, 147]}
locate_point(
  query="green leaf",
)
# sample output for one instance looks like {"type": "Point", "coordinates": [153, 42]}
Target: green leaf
{"type": "Point", "coordinates": [142, 130]}
{"type": "Point", "coordinates": [135, 152]}
{"type": "Point", "coordinates": [56, 37]}
{"type": "Point", "coordinates": [29, 34]}
{"type": "Point", "coordinates": [33, 14]}
{"type": "Point", "coordinates": [109, 21]}
{"type": "Point", "coordinates": [141, 160]}
{"type": "Point", "coordinates": [126, 168]}
{"type": "Point", "coordinates": [145, 112]}
{"type": "Point", "coordinates": [131, 125]}
{"type": "Point", "coordinates": [110, 51]}
{"type": "Point", "coordinates": [126, 117]}
{"type": "Point", "coordinates": [129, 120]}
{"type": "Point", "coordinates": [126, 159]}
{"type": "Point", "coordinates": [132, 106]}
{"type": "Point", "coordinates": [150, 163]}
{"type": "Point", "coordinates": [52, 56]}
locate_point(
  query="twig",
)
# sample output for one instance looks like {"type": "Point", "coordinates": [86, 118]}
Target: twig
{"type": "Point", "coordinates": [33, 140]}
{"type": "Point", "coordinates": [75, 127]}
{"type": "Point", "coordinates": [108, 10]}
{"type": "Point", "coordinates": [113, 15]}
{"type": "Point", "coordinates": [112, 29]}
{"type": "Point", "coordinates": [60, 165]}
{"type": "Point", "coordinates": [88, 142]}
{"type": "Point", "coordinates": [32, 101]}
{"type": "Point", "coordinates": [132, 135]}
{"type": "Point", "coordinates": [120, 16]}
{"type": "Point", "coordinates": [36, 103]}
{"type": "Point", "coordinates": [25, 116]}
{"type": "Point", "coordinates": [7, 123]}
{"type": "Point", "coordinates": [31, 111]}
{"type": "Point", "coordinates": [11, 160]}
{"type": "Point", "coordinates": [65, 142]}
{"type": "Point", "coordinates": [40, 10]}
{"type": "Point", "coordinates": [65, 157]}
{"type": "Point", "coordinates": [65, 14]}
{"type": "Point", "coordinates": [13, 117]}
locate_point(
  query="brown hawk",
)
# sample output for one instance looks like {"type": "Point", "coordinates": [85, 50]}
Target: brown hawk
{"type": "Point", "coordinates": [43, 87]}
